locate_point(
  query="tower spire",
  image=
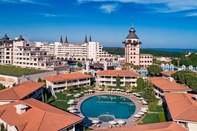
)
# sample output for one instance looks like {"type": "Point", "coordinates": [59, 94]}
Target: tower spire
{"type": "Point", "coordinates": [90, 40]}
{"type": "Point", "coordinates": [66, 40]}
{"type": "Point", "coordinates": [61, 41]}
{"type": "Point", "coordinates": [85, 41]}
{"type": "Point", "coordinates": [132, 22]}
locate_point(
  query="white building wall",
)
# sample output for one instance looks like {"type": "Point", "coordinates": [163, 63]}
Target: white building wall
{"type": "Point", "coordinates": [192, 126]}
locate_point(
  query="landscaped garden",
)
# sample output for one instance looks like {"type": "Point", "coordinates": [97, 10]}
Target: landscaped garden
{"type": "Point", "coordinates": [155, 114]}
{"type": "Point", "coordinates": [64, 96]}
{"type": "Point", "coordinates": [18, 71]}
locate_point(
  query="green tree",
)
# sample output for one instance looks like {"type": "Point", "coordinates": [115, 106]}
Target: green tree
{"type": "Point", "coordinates": [187, 77]}
{"type": "Point", "coordinates": [140, 83]}
{"type": "Point", "coordinates": [127, 85]}
{"type": "Point", "coordinates": [79, 64]}
{"type": "Point", "coordinates": [154, 70]}
{"type": "Point", "coordinates": [2, 86]}
{"type": "Point", "coordinates": [39, 80]}
{"type": "Point", "coordinates": [149, 93]}
{"type": "Point", "coordinates": [118, 81]}
{"type": "Point", "coordinates": [2, 127]}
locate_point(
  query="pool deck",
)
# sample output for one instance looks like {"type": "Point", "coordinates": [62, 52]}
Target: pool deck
{"type": "Point", "coordinates": [103, 125]}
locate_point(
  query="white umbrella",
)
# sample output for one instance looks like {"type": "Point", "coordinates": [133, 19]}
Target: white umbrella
{"type": "Point", "coordinates": [128, 91]}
{"type": "Point", "coordinates": [73, 111]}
{"type": "Point", "coordinates": [113, 89]}
{"type": "Point", "coordinates": [122, 90]}
{"type": "Point", "coordinates": [118, 89]}
{"type": "Point", "coordinates": [86, 91]}
{"type": "Point", "coordinates": [70, 108]}
{"type": "Point", "coordinates": [142, 110]}
{"type": "Point", "coordinates": [141, 98]}
{"type": "Point", "coordinates": [100, 89]}
{"type": "Point", "coordinates": [140, 113]}
{"type": "Point", "coordinates": [144, 102]}
{"type": "Point", "coordinates": [120, 122]}
{"type": "Point", "coordinates": [76, 95]}
{"type": "Point", "coordinates": [90, 90]}
{"type": "Point", "coordinates": [95, 121]}
{"type": "Point", "coordinates": [137, 115]}
{"type": "Point", "coordinates": [71, 100]}
{"type": "Point", "coordinates": [112, 122]}
{"type": "Point", "coordinates": [136, 94]}
{"type": "Point", "coordinates": [108, 89]}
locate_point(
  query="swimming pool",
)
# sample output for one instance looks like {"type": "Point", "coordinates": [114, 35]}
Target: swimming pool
{"type": "Point", "coordinates": [117, 106]}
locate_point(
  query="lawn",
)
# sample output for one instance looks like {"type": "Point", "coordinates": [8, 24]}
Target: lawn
{"type": "Point", "coordinates": [150, 118]}
{"type": "Point", "coordinates": [18, 71]}
{"type": "Point", "coordinates": [157, 109]}
{"type": "Point", "coordinates": [62, 98]}
{"type": "Point", "coordinates": [60, 104]}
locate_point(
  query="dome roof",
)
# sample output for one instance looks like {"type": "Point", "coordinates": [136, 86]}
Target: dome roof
{"type": "Point", "coordinates": [132, 34]}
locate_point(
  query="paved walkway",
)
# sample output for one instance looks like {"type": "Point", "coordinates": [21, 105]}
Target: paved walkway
{"type": "Point", "coordinates": [104, 125]}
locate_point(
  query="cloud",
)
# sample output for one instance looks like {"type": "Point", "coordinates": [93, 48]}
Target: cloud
{"type": "Point", "coordinates": [168, 5]}
{"type": "Point", "coordinates": [108, 8]}
{"type": "Point", "coordinates": [54, 15]}
{"type": "Point", "coordinates": [26, 1]}
{"type": "Point", "coordinates": [191, 14]}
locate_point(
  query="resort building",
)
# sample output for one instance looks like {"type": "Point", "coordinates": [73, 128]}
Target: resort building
{"type": "Point", "coordinates": [21, 91]}
{"type": "Point", "coordinates": [162, 85]}
{"type": "Point", "coordinates": [181, 108]}
{"type": "Point", "coordinates": [6, 50]}
{"type": "Point", "coordinates": [33, 115]}
{"type": "Point", "coordinates": [78, 52]}
{"type": "Point", "coordinates": [163, 126]}
{"type": "Point", "coordinates": [108, 77]}
{"type": "Point", "coordinates": [132, 51]}
{"type": "Point", "coordinates": [61, 82]}
{"type": "Point", "coordinates": [20, 52]}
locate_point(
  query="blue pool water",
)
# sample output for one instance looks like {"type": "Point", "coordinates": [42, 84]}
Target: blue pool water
{"type": "Point", "coordinates": [118, 106]}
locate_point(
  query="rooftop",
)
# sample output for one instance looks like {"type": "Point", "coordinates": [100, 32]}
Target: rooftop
{"type": "Point", "coordinates": [167, 85]}
{"type": "Point", "coordinates": [168, 73]}
{"type": "Point", "coordinates": [63, 77]}
{"type": "Point", "coordinates": [164, 126]}
{"type": "Point", "coordinates": [117, 73]}
{"type": "Point", "coordinates": [38, 117]}
{"type": "Point", "coordinates": [20, 91]}
{"type": "Point", "coordinates": [181, 106]}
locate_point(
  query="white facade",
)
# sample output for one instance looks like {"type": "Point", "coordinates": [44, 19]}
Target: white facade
{"type": "Point", "coordinates": [82, 52]}
{"type": "Point", "coordinates": [111, 80]}
{"type": "Point", "coordinates": [20, 52]}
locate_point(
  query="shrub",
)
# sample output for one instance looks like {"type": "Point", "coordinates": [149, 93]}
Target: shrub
{"type": "Point", "coordinates": [153, 105]}
{"type": "Point", "coordinates": [161, 117]}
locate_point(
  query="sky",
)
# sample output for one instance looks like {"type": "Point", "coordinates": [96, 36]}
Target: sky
{"type": "Point", "coordinates": [158, 23]}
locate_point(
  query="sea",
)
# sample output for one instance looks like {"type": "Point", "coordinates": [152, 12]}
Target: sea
{"type": "Point", "coordinates": [172, 49]}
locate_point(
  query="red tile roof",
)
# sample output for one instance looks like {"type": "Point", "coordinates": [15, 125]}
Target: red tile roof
{"type": "Point", "coordinates": [167, 85]}
{"type": "Point", "coordinates": [38, 117]}
{"type": "Point", "coordinates": [117, 72]}
{"type": "Point", "coordinates": [20, 91]}
{"type": "Point", "coordinates": [168, 73]}
{"type": "Point", "coordinates": [164, 126]}
{"type": "Point", "coordinates": [63, 77]}
{"type": "Point", "coordinates": [182, 106]}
